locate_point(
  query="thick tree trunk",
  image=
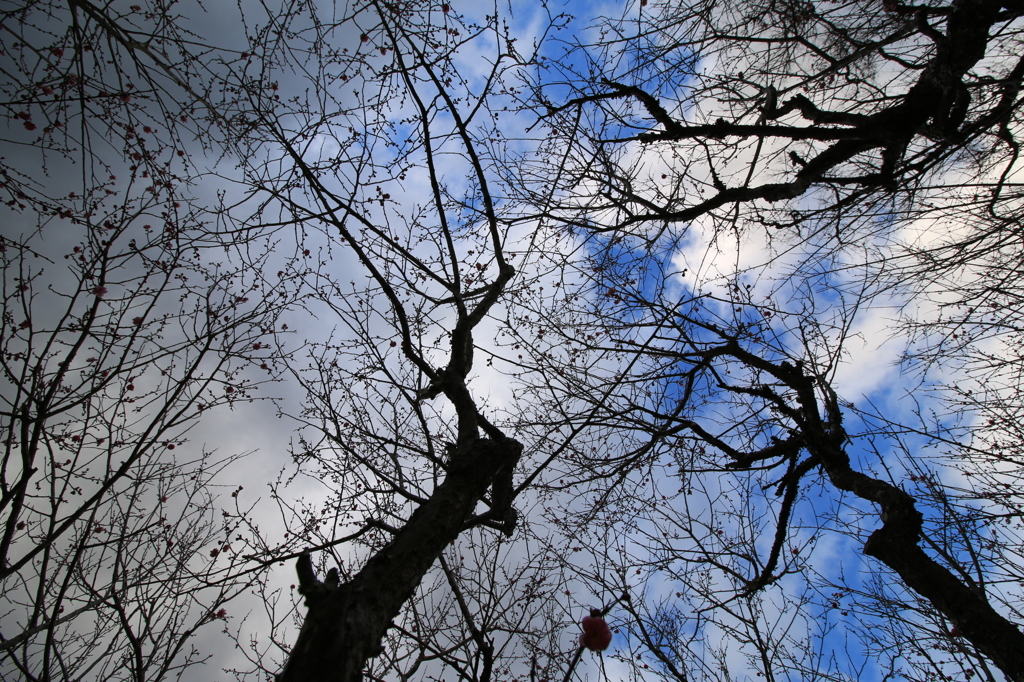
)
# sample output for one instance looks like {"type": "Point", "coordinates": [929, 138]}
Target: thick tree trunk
{"type": "Point", "coordinates": [895, 544]}
{"type": "Point", "coordinates": [345, 624]}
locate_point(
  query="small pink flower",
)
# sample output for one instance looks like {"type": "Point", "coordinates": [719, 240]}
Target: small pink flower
{"type": "Point", "coordinates": [100, 291]}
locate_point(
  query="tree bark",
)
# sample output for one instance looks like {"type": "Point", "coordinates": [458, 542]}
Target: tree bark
{"type": "Point", "coordinates": [895, 544]}
{"type": "Point", "coordinates": [344, 625]}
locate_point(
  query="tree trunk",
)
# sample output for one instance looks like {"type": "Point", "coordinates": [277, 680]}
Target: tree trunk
{"type": "Point", "coordinates": [895, 544]}
{"type": "Point", "coordinates": [345, 624]}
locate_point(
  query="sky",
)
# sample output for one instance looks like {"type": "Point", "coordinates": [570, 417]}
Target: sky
{"type": "Point", "coordinates": [267, 480]}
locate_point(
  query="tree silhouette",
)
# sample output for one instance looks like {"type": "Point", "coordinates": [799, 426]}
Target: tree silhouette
{"type": "Point", "coordinates": [564, 326]}
{"type": "Point", "coordinates": [868, 151]}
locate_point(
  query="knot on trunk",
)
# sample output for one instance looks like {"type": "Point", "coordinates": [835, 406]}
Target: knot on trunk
{"type": "Point", "coordinates": [309, 587]}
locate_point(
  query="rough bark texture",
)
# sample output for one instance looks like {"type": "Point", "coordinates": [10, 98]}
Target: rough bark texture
{"type": "Point", "coordinates": [344, 625]}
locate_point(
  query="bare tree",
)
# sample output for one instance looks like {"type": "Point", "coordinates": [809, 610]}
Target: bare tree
{"type": "Point", "coordinates": [406, 281]}
{"type": "Point", "coordinates": [833, 136]}
{"type": "Point", "coordinates": [125, 322]}
{"type": "Point", "coordinates": [515, 407]}
{"type": "Point", "coordinates": [316, 169]}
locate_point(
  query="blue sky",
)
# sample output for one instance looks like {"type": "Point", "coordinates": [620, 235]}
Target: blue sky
{"type": "Point", "coordinates": [585, 540]}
